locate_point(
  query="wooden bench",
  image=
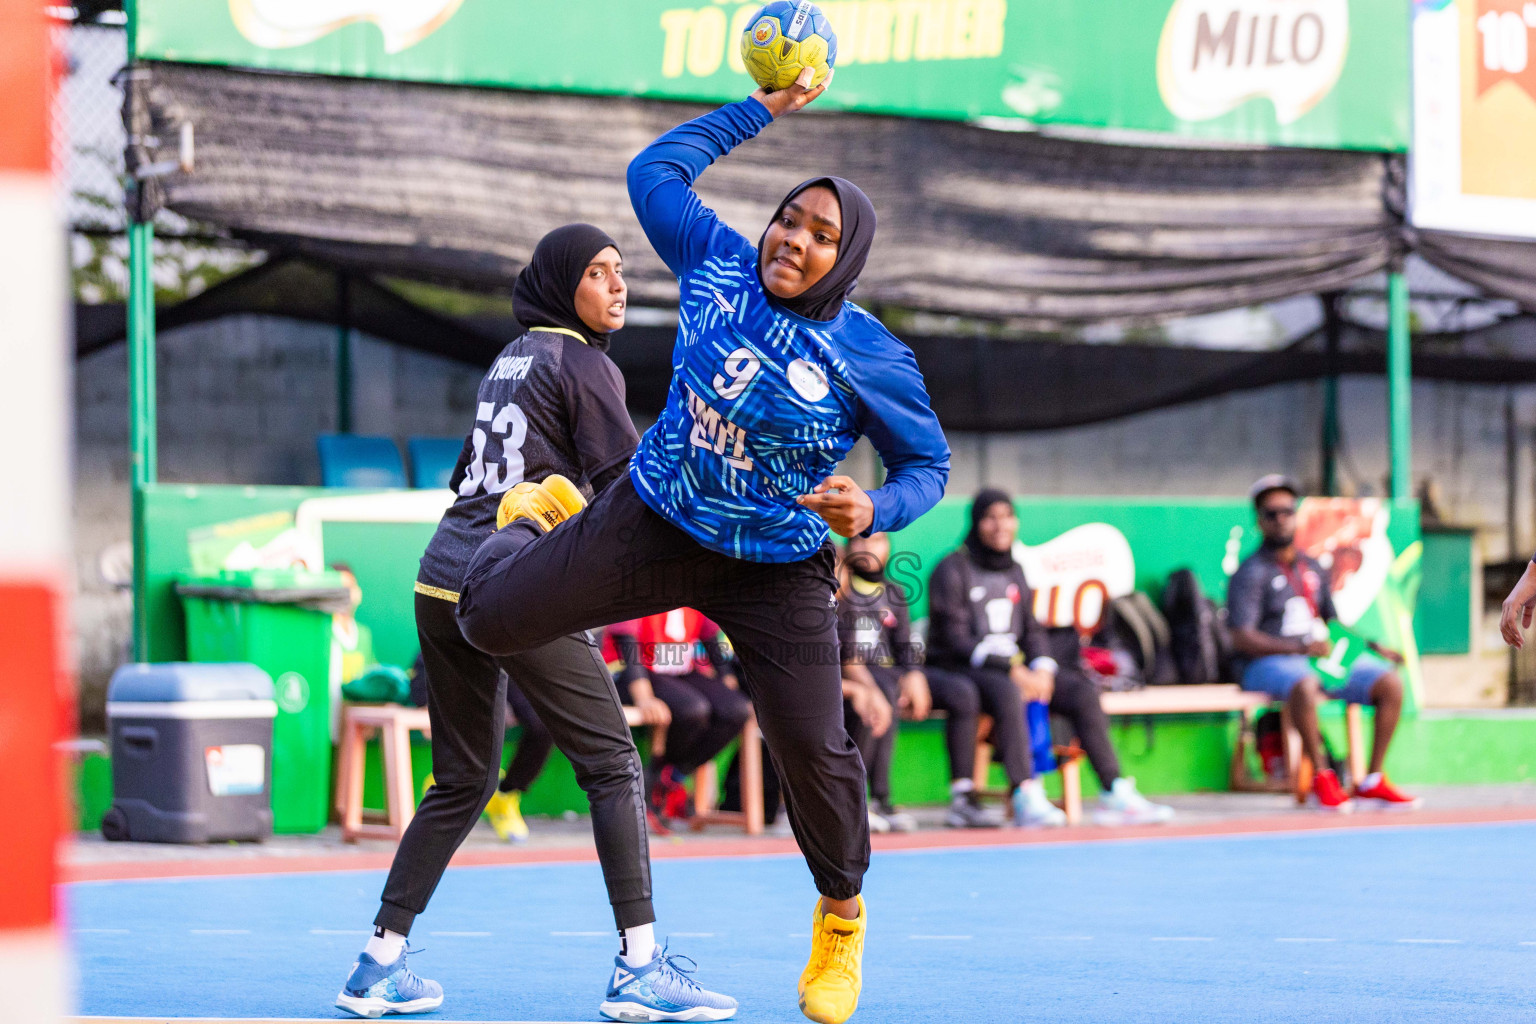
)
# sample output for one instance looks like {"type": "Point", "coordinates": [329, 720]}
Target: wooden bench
{"type": "Point", "coordinates": [394, 723]}
{"type": "Point", "coordinates": [1213, 698]}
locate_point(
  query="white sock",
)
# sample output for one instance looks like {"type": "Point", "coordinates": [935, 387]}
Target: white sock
{"type": "Point", "coordinates": [1033, 789]}
{"type": "Point", "coordinates": [637, 945]}
{"type": "Point", "coordinates": [1371, 781]}
{"type": "Point", "coordinates": [960, 787]}
{"type": "Point", "coordinates": [385, 946]}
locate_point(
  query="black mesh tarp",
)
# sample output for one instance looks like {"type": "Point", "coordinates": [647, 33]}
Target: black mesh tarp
{"type": "Point", "coordinates": [457, 184]}
{"type": "Point", "coordinates": [975, 383]}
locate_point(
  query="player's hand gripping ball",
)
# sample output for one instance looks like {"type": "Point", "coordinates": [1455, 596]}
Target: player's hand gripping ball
{"type": "Point", "coordinates": [785, 37]}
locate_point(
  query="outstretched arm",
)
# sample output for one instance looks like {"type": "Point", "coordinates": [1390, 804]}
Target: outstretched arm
{"type": "Point", "coordinates": [661, 178]}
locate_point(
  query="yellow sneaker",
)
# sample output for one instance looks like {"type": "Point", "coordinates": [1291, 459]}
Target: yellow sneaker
{"type": "Point", "coordinates": [829, 987]}
{"type": "Point", "coordinates": [548, 503]}
{"type": "Point", "coordinates": [506, 813]}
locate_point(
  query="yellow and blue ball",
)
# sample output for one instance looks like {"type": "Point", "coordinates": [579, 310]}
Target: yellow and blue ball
{"type": "Point", "coordinates": [785, 37]}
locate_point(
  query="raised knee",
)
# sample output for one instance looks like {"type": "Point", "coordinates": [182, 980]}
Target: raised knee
{"type": "Point", "coordinates": [483, 629]}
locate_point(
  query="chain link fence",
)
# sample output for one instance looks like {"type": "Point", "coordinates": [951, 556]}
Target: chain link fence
{"type": "Point", "coordinates": [89, 140]}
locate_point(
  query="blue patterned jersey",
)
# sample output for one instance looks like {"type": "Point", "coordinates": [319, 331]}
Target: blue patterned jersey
{"type": "Point", "coordinates": [764, 404]}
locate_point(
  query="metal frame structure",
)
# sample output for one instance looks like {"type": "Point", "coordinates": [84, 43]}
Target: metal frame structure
{"type": "Point", "coordinates": [141, 377]}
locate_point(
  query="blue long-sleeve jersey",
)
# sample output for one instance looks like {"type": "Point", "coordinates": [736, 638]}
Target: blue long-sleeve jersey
{"type": "Point", "coordinates": [764, 404]}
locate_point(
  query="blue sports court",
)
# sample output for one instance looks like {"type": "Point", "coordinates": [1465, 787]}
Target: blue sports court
{"type": "Point", "coordinates": [1386, 924]}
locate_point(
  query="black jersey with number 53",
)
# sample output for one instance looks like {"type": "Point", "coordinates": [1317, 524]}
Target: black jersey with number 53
{"type": "Point", "coordinates": [550, 403]}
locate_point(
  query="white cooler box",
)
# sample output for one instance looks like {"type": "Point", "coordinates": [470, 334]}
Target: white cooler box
{"type": "Point", "coordinates": [191, 753]}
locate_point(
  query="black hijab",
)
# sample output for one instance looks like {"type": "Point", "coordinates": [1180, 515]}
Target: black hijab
{"type": "Point", "coordinates": [545, 293]}
{"type": "Point", "coordinates": [824, 299]}
{"type": "Point", "coordinates": [983, 556]}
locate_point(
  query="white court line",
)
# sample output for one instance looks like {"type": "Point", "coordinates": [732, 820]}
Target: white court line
{"type": "Point", "coordinates": [580, 935]}
{"type": "Point", "coordinates": [1306, 940]}
{"type": "Point", "coordinates": [1062, 938]}
{"type": "Point", "coordinates": [692, 935]}
{"type": "Point", "coordinates": [941, 938]}
{"type": "Point", "coordinates": [799, 935]}
{"type": "Point", "coordinates": [338, 931]}
{"type": "Point", "coordinates": [1430, 942]}
{"type": "Point", "coordinates": [220, 931]}
{"type": "Point", "coordinates": [100, 931]}
{"type": "Point", "coordinates": [1182, 938]}
{"type": "Point", "coordinates": [461, 935]}
{"type": "Point", "coordinates": [1528, 943]}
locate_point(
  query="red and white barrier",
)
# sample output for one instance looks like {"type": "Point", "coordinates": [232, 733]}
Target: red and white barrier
{"type": "Point", "coordinates": [36, 682]}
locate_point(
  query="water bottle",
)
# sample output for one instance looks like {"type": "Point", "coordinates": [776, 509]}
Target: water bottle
{"type": "Point", "coordinates": [1037, 715]}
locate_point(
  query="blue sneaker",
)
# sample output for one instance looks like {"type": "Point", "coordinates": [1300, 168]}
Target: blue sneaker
{"type": "Point", "coordinates": [662, 990]}
{"type": "Point", "coordinates": [375, 989]}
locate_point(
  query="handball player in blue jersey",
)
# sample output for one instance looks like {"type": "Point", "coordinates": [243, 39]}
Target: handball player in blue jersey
{"type": "Point", "coordinates": [732, 494]}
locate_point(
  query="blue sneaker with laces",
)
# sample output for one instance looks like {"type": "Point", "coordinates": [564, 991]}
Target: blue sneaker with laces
{"type": "Point", "coordinates": [662, 990]}
{"type": "Point", "coordinates": [375, 989]}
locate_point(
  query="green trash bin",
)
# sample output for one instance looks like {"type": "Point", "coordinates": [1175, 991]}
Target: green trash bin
{"type": "Point", "coordinates": [279, 620]}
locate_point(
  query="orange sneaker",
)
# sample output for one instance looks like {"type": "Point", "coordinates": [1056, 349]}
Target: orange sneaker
{"type": "Point", "coordinates": [1329, 793]}
{"type": "Point", "coordinates": [1387, 796]}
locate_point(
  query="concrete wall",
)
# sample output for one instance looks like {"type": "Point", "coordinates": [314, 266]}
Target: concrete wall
{"type": "Point", "coordinates": [241, 401]}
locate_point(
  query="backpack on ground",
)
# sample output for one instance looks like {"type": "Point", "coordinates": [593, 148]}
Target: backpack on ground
{"type": "Point", "coordinates": [1200, 644]}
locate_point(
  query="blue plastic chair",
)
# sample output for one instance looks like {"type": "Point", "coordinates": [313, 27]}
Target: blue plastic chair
{"type": "Point", "coordinates": [351, 460]}
{"type": "Point", "coordinates": [433, 459]}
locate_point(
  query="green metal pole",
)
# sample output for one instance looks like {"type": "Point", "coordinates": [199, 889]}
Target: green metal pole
{"type": "Point", "coordinates": [1399, 387]}
{"type": "Point", "coordinates": [1332, 327]}
{"type": "Point", "coordinates": [141, 381]}
{"type": "Point", "coordinates": [141, 411]}
{"type": "Point", "coordinates": [344, 354]}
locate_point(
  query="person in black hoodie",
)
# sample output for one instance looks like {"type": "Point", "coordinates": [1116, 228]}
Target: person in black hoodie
{"type": "Point", "coordinates": [982, 623]}
{"type": "Point", "coordinates": [874, 628]}
{"type": "Point", "coordinates": [551, 403]}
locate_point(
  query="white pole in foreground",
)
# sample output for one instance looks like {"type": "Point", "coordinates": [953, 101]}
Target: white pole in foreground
{"type": "Point", "coordinates": [36, 469]}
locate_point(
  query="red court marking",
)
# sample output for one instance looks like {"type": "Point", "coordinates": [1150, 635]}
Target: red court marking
{"type": "Point", "coordinates": [1299, 821]}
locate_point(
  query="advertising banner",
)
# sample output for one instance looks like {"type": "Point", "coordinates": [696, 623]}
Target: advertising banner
{"type": "Point", "coordinates": [1474, 116]}
{"type": "Point", "coordinates": [1319, 73]}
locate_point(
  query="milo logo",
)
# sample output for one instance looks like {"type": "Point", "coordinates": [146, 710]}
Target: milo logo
{"type": "Point", "coordinates": [278, 24]}
{"type": "Point", "coordinates": [1215, 55]}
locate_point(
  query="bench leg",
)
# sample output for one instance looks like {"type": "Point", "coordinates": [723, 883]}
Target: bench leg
{"type": "Point", "coordinates": [343, 762]}
{"type": "Point", "coordinates": [397, 777]}
{"type": "Point", "coordinates": [1354, 727]}
{"type": "Point", "coordinates": [355, 743]}
{"type": "Point", "coordinates": [1072, 790]}
{"type": "Point", "coordinates": [705, 786]}
{"type": "Point", "coordinates": [752, 776]}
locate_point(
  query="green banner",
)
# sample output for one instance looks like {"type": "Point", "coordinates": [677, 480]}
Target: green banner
{"type": "Point", "coordinates": [1318, 73]}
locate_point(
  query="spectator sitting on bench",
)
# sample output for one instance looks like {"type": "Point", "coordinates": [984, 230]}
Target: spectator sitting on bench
{"type": "Point", "coordinates": [874, 629]}
{"type": "Point", "coordinates": [1279, 603]}
{"type": "Point", "coordinates": [679, 658]}
{"type": "Point", "coordinates": [982, 624]}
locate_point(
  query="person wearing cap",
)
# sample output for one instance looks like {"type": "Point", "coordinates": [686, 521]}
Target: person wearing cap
{"type": "Point", "coordinates": [1279, 603]}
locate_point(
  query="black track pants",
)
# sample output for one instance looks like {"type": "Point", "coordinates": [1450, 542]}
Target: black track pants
{"type": "Point", "coordinates": [974, 691]}
{"type": "Point", "coordinates": [706, 716]}
{"type": "Point", "coordinates": [533, 745]}
{"type": "Point", "coordinates": [567, 683]}
{"type": "Point", "coordinates": [1076, 699]}
{"type": "Point", "coordinates": [619, 560]}
{"type": "Point", "coordinates": [955, 695]}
